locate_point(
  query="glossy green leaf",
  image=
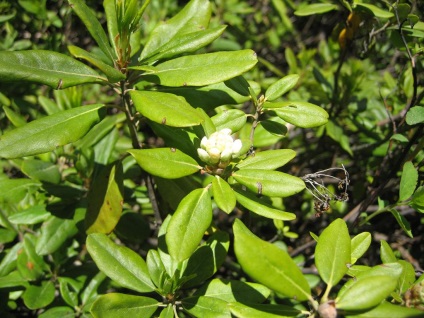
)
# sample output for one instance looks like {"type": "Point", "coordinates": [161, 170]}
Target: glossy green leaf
{"type": "Point", "coordinates": [333, 252]}
{"type": "Point", "coordinates": [111, 73]}
{"type": "Point", "coordinates": [315, 8]}
{"type": "Point", "coordinates": [211, 96]}
{"type": "Point", "coordinates": [168, 163]}
{"type": "Point", "coordinates": [188, 224]}
{"type": "Point", "coordinates": [185, 43]}
{"type": "Point", "coordinates": [359, 245]}
{"type": "Point", "coordinates": [281, 87]}
{"type": "Point", "coordinates": [14, 190]}
{"type": "Point", "coordinates": [119, 263]}
{"type": "Point", "coordinates": [8, 263]}
{"type": "Point", "coordinates": [105, 200]}
{"type": "Point", "coordinates": [207, 123]}
{"type": "Point", "coordinates": [223, 194]}
{"type": "Point", "coordinates": [155, 267]}
{"type": "Point", "coordinates": [393, 270]}
{"type": "Point", "coordinates": [386, 309]}
{"type": "Point", "coordinates": [301, 114]}
{"type": "Point", "coordinates": [166, 109]}
{"type": "Point", "coordinates": [13, 280]}
{"type": "Point", "coordinates": [407, 277]}
{"type": "Point", "coordinates": [206, 307]}
{"type": "Point", "coordinates": [402, 221]}
{"type": "Point", "coordinates": [90, 290]}
{"type": "Point", "coordinates": [99, 131]}
{"type": "Point", "coordinates": [242, 310]}
{"type": "Point", "coordinates": [16, 119]}
{"type": "Point", "coordinates": [192, 18]}
{"type": "Point", "coordinates": [117, 305]}
{"type": "Point", "coordinates": [275, 126]}
{"type": "Point", "coordinates": [33, 215]}
{"type": "Point", "coordinates": [207, 259]}
{"type": "Point", "coordinates": [417, 200]}
{"type": "Point", "coordinates": [386, 253]}
{"type": "Point", "coordinates": [408, 181]}
{"type": "Point", "coordinates": [268, 264]}
{"type": "Point", "coordinates": [45, 67]}
{"type": "Point", "coordinates": [54, 233]}
{"type": "Point", "coordinates": [268, 159]}
{"type": "Point", "coordinates": [69, 289]}
{"type": "Point", "coordinates": [41, 171]}
{"type": "Point", "coordinates": [258, 206]}
{"type": "Point", "coordinates": [415, 115]}
{"type": "Point", "coordinates": [366, 293]}
{"type": "Point", "coordinates": [48, 133]}
{"type": "Point", "coordinates": [112, 22]}
{"type": "Point", "coordinates": [234, 290]}
{"type": "Point", "coordinates": [61, 311]}
{"type": "Point", "coordinates": [379, 13]}
{"type": "Point", "coordinates": [167, 312]}
{"type": "Point", "coordinates": [269, 183]}
{"type": "Point", "coordinates": [201, 69]}
{"type": "Point", "coordinates": [231, 118]}
{"type": "Point", "coordinates": [93, 26]}
{"type": "Point", "coordinates": [174, 190]}
{"type": "Point", "coordinates": [39, 296]}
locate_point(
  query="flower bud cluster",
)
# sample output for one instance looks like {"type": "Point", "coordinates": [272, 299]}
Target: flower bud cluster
{"type": "Point", "coordinates": [219, 148]}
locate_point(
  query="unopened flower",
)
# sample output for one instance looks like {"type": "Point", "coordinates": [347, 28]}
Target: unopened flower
{"type": "Point", "coordinates": [219, 148]}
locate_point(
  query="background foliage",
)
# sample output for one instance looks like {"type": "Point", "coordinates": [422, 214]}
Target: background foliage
{"type": "Point", "coordinates": [332, 101]}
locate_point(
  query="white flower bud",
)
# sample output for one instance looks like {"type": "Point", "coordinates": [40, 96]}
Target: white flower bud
{"type": "Point", "coordinates": [219, 148]}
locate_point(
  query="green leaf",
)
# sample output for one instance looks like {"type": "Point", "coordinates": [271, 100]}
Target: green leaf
{"type": "Point", "coordinates": [166, 109]}
{"type": "Point", "coordinates": [36, 297]}
{"type": "Point", "coordinates": [301, 114]}
{"type": "Point", "coordinates": [119, 263]}
{"type": "Point", "coordinates": [69, 289]}
{"type": "Point", "coordinates": [275, 125]}
{"type": "Point", "coordinates": [185, 43]}
{"type": "Point", "coordinates": [316, 8]}
{"type": "Point", "coordinates": [407, 277]}
{"type": "Point", "coordinates": [366, 293]}
{"type": "Point", "coordinates": [359, 245]}
{"type": "Point", "coordinates": [13, 280]}
{"type": "Point", "coordinates": [132, 226]}
{"type": "Point", "coordinates": [242, 310]}
{"type": "Point", "coordinates": [105, 200]}
{"type": "Point", "coordinates": [386, 253]}
{"type": "Point", "coordinates": [206, 307]}
{"type": "Point", "coordinates": [112, 74]}
{"type": "Point", "coordinates": [16, 119]}
{"type": "Point", "coordinates": [408, 181]}
{"type": "Point", "coordinates": [167, 312]}
{"type": "Point", "coordinates": [403, 222]}
{"type": "Point", "coordinates": [234, 290]}
{"type": "Point", "coordinates": [45, 67]}
{"type": "Point", "coordinates": [281, 87]}
{"type": "Point", "coordinates": [33, 215]}
{"type": "Point", "coordinates": [223, 194]}
{"type": "Point", "coordinates": [112, 22]}
{"type": "Point", "coordinates": [192, 18]}
{"type": "Point", "coordinates": [201, 69]}
{"type": "Point", "coordinates": [41, 171]}
{"type": "Point", "coordinates": [415, 115]}
{"type": "Point", "coordinates": [48, 133]}
{"type": "Point", "coordinates": [231, 118]}
{"type": "Point", "coordinates": [269, 183]}
{"type": "Point", "coordinates": [14, 190]}
{"type": "Point", "coordinates": [393, 270]}
{"type": "Point", "coordinates": [333, 252]}
{"type": "Point", "coordinates": [117, 305]}
{"type": "Point", "coordinates": [54, 234]}
{"type": "Point", "coordinates": [387, 309]}
{"type": "Point", "coordinates": [207, 259]}
{"type": "Point", "coordinates": [417, 200]}
{"type": "Point", "coordinates": [61, 311]}
{"type": "Point", "coordinates": [260, 207]}
{"type": "Point", "coordinates": [268, 159]}
{"type": "Point", "coordinates": [168, 163]}
{"type": "Point", "coordinates": [376, 11]}
{"type": "Point", "coordinates": [188, 224]}
{"type": "Point", "coordinates": [94, 27]}
{"type": "Point", "coordinates": [268, 264]}
{"type": "Point", "coordinates": [155, 267]}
